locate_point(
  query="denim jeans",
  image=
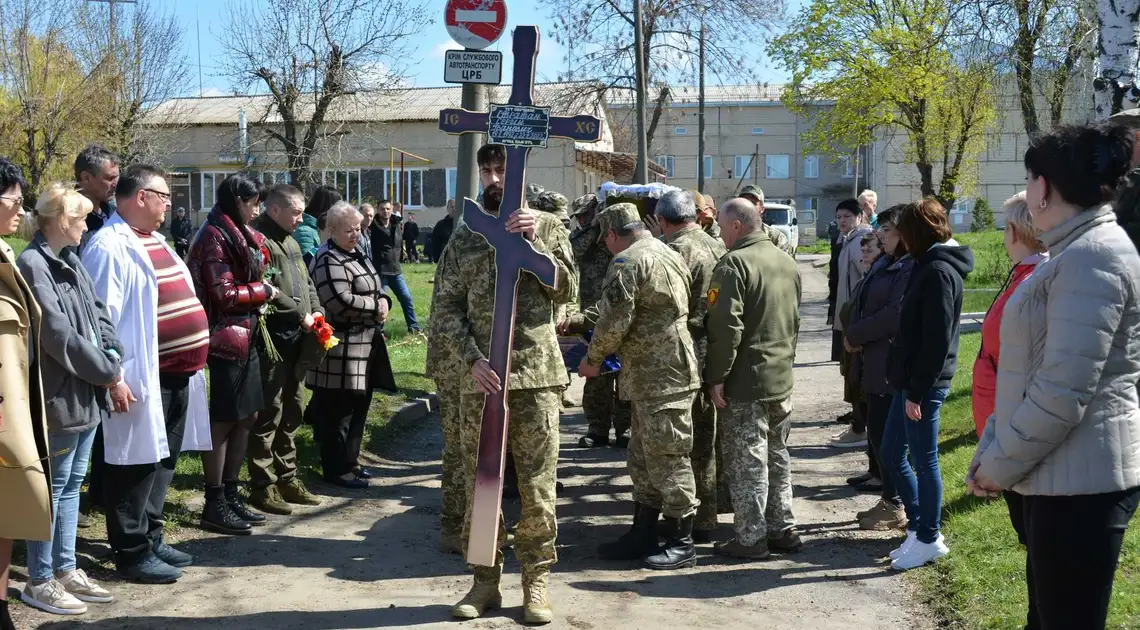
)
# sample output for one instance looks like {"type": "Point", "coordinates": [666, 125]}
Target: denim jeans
{"type": "Point", "coordinates": [67, 472]}
{"type": "Point", "coordinates": [920, 487]}
{"type": "Point", "coordinates": [399, 286]}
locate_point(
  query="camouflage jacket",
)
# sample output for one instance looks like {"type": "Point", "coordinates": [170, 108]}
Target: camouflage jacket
{"type": "Point", "coordinates": [593, 259]}
{"type": "Point", "coordinates": [713, 230]}
{"type": "Point", "coordinates": [465, 306]}
{"type": "Point", "coordinates": [778, 239]}
{"type": "Point", "coordinates": [1127, 205]}
{"type": "Point", "coordinates": [443, 362]}
{"type": "Point", "coordinates": [643, 318]}
{"type": "Point", "coordinates": [700, 252]}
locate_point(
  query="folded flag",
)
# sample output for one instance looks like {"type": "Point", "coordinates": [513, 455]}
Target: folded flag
{"type": "Point", "coordinates": [574, 350]}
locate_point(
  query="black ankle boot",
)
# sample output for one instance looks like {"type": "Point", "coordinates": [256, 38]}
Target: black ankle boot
{"type": "Point", "coordinates": [5, 619]}
{"type": "Point", "coordinates": [678, 552]}
{"type": "Point", "coordinates": [218, 517]}
{"type": "Point", "coordinates": [641, 539]}
{"type": "Point", "coordinates": [233, 499]}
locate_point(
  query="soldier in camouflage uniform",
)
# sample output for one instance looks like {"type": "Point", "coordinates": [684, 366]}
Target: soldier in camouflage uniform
{"type": "Point", "coordinates": [600, 401]}
{"type": "Point", "coordinates": [643, 318]}
{"type": "Point", "coordinates": [1127, 202]}
{"type": "Point", "coordinates": [756, 196]}
{"type": "Point", "coordinates": [466, 304]}
{"type": "Point", "coordinates": [445, 367]}
{"type": "Point", "coordinates": [707, 217]}
{"type": "Point", "coordinates": [701, 252]}
{"type": "Point", "coordinates": [753, 323]}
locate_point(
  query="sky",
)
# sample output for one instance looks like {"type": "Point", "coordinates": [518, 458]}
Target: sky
{"type": "Point", "coordinates": [203, 22]}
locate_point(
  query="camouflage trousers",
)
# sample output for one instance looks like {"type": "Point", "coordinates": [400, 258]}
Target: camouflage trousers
{"type": "Point", "coordinates": [454, 485]}
{"type": "Point", "coordinates": [658, 458]}
{"type": "Point", "coordinates": [534, 441]}
{"type": "Point", "coordinates": [704, 460]}
{"type": "Point", "coordinates": [602, 407]}
{"type": "Point", "coordinates": [755, 441]}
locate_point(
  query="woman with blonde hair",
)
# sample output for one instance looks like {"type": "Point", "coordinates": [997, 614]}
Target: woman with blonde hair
{"type": "Point", "coordinates": [1025, 249]}
{"type": "Point", "coordinates": [80, 361]}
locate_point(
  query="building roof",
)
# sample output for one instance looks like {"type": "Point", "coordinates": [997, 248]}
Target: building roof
{"type": "Point", "coordinates": [687, 95]}
{"type": "Point", "coordinates": [412, 104]}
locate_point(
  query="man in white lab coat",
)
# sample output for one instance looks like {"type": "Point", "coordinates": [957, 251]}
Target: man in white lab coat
{"type": "Point", "coordinates": [165, 335]}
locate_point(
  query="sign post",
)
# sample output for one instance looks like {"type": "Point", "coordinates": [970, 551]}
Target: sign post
{"type": "Point", "coordinates": [520, 126]}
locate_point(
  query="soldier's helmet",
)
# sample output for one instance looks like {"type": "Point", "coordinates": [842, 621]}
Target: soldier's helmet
{"type": "Point", "coordinates": [532, 193]}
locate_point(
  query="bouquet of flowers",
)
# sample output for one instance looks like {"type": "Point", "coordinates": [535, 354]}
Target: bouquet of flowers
{"type": "Point", "coordinates": [324, 333]}
{"type": "Point", "coordinates": [315, 346]}
{"type": "Point", "coordinates": [268, 309]}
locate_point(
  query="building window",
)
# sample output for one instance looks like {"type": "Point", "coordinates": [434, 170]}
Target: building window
{"type": "Point", "coordinates": [811, 203]}
{"type": "Point", "coordinates": [811, 167]}
{"type": "Point", "coordinates": [757, 131]}
{"type": "Point", "coordinates": [708, 166]}
{"type": "Point", "coordinates": [849, 167]}
{"type": "Point", "coordinates": [742, 167]}
{"type": "Point", "coordinates": [777, 166]}
{"type": "Point", "coordinates": [680, 131]}
{"type": "Point", "coordinates": [210, 183]}
{"type": "Point", "coordinates": [666, 162]}
{"type": "Point", "coordinates": [272, 178]}
{"type": "Point", "coordinates": [347, 182]}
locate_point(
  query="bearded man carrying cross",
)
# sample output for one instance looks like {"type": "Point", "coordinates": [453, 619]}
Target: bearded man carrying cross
{"type": "Point", "coordinates": [465, 304]}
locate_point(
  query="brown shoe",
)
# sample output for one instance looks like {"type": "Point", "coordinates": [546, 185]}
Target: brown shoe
{"type": "Point", "coordinates": [294, 491]}
{"type": "Point", "coordinates": [536, 605]}
{"type": "Point", "coordinates": [787, 541]}
{"type": "Point", "coordinates": [484, 595]}
{"type": "Point", "coordinates": [885, 516]}
{"type": "Point", "coordinates": [734, 549]}
{"type": "Point", "coordinates": [268, 499]}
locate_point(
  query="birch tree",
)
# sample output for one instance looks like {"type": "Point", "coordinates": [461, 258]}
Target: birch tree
{"type": "Point", "coordinates": [1114, 88]}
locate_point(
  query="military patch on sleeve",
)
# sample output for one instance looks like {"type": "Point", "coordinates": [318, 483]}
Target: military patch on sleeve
{"type": "Point", "coordinates": [618, 262]}
{"type": "Point", "coordinates": [714, 293]}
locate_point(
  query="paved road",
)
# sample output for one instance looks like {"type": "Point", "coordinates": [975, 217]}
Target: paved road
{"type": "Point", "coordinates": [370, 562]}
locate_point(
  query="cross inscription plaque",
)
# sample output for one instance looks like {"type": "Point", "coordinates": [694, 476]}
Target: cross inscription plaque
{"type": "Point", "coordinates": [518, 125]}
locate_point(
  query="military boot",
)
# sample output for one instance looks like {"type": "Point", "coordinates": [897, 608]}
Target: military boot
{"type": "Point", "coordinates": [678, 552]}
{"type": "Point", "coordinates": [484, 595]}
{"type": "Point", "coordinates": [268, 499]}
{"type": "Point", "coordinates": [451, 543]}
{"type": "Point", "coordinates": [641, 539]}
{"type": "Point", "coordinates": [536, 605]}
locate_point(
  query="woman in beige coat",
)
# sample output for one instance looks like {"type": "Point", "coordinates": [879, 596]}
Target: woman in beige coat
{"type": "Point", "coordinates": [24, 483]}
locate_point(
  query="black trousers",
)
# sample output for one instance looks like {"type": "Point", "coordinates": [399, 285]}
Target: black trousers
{"type": "Point", "coordinates": [1073, 545]}
{"type": "Point", "coordinates": [341, 415]}
{"type": "Point", "coordinates": [135, 495]}
{"type": "Point", "coordinates": [878, 406]}
{"type": "Point", "coordinates": [95, 470]}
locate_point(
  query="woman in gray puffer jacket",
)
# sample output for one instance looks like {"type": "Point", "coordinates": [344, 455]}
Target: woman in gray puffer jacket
{"type": "Point", "coordinates": [80, 361]}
{"type": "Point", "coordinates": [1065, 432]}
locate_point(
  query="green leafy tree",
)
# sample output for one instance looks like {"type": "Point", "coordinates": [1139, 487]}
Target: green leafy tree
{"type": "Point", "coordinates": [865, 69]}
{"type": "Point", "coordinates": [983, 216]}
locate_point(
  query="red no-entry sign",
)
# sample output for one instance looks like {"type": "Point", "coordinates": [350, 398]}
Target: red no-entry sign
{"type": "Point", "coordinates": [475, 23]}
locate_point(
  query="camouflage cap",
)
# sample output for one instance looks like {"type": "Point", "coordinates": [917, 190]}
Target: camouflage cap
{"type": "Point", "coordinates": [753, 191]}
{"type": "Point", "coordinates": [585, 203]}
{"type": "Point", "coordinates": [617, 216]}
{"type": "Point", "coordinates": [1129, 118]}
{"type": "Point", "coordinates": [532, 193]}
{"type": "Point", "coordinates": [552, 202]}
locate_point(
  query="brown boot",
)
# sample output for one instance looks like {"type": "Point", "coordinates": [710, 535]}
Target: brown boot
{"type": "Point", "coordinates": [734, 549]}
{"type": "Point", "coordinates": [884, 516]}
{"type": "Point", "coordinates": [451, 543]}
{"type": "Point", "coordinates": [294, 491]}
{"type": "Point", "coordinates": [484, 595]}
{"type": "Point", "coordinates": [536, 605]}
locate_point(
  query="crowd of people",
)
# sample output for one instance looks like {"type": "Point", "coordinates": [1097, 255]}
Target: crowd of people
{"type": "Point", "coordinates": [111, 335]}
{"type": "Point", "coordinates": [691, 315]}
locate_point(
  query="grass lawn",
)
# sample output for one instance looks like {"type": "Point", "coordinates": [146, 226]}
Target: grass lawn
{"type": "Point", "coordinates": [981, 584]}
{"type": "Point", "coordinates": [16, 243]}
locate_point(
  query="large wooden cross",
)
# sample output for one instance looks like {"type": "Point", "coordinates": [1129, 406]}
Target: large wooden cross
{"type": "Point", "coordinates": [520, 126]}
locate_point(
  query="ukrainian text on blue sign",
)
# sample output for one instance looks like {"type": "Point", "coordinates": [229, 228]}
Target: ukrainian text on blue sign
{"type": "Point", "coordinates": [519, 125]}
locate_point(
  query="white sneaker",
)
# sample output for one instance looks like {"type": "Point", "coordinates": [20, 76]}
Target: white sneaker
{"type": "Point", "coordinates": [920, 554]}
{"type": "Point", "coordinates": [51, 597]}
{"type": "Point", "coordinates": [849, 439]}
{"type": "Point", "coordinates": [82, 588]}
{"type": "Point", "coordinates": [911, 538]}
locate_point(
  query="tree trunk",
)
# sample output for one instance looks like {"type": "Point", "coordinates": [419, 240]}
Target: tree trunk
{"type": "Point", "coordinates": [658, 110]}
{"type": "Point", "coordinates": [1024, 55]}
{"type": "Point", "coordinates": [1117, 22]}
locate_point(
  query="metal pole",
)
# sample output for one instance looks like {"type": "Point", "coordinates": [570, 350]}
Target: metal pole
{"type": "Point", "coordinates": [701, 174]}
{"type": "Point", "coordinates": [467, 171]}
{"type": "Point", "coordinates": [641, 175]}
{"type": "Point", "coordinates": [855, 173]}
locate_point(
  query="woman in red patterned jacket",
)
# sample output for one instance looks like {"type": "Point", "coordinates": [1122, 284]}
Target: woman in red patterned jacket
{"type": "Point", "coordinates": [228, 260]}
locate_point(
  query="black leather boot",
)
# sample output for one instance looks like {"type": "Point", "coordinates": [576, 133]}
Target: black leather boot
{"type": "Point", "coordinates": [5, 619]}
{"type": "Point", "coordinates": [641, 539]}
{"type": "Point", "coordinates": [678, 552]}
{"type": "Point", "coordinates": [239, 507]}
{"type": "Point", "coordinates": [218, 517]}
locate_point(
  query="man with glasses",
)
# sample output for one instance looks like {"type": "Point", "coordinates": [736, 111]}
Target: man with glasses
{"type": "Point", "coordinates": [164, 331]}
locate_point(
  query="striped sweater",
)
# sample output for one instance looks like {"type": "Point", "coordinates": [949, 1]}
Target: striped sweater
{"type": "Point", "coordinates": [183, 330]}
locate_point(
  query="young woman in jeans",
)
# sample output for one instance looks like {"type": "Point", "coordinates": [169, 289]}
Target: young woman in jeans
{"type": "Point", "coordinates": [80, 363]}
{"type": "Point", "coordinates": [1065, 432]}
{"type": "Point", "coordinates": [923, 358]}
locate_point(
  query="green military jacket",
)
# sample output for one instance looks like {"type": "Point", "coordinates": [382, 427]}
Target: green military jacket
{"type": "Point", "coordinates": [643, 318]}
{"type": "Point", "coordinates": [593, 259]}
{"type": "Point", "coordinates": [753, 321]}
{"type": "Point", "coordinates": [298, 296]}
{"type": "Point", "coordinates": [465, 304]}
{"type": "Point", "coordinates": [700, 252]}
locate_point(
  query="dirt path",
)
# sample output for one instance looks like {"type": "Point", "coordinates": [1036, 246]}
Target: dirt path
{"type": "Point", "coordinates": [370, 562]}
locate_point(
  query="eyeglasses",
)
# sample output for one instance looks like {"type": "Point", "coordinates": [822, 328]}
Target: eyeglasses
{"type": "Point", "coordinates": [19, 201]}
{"type": "Point", "coordinates": [165, 196]}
